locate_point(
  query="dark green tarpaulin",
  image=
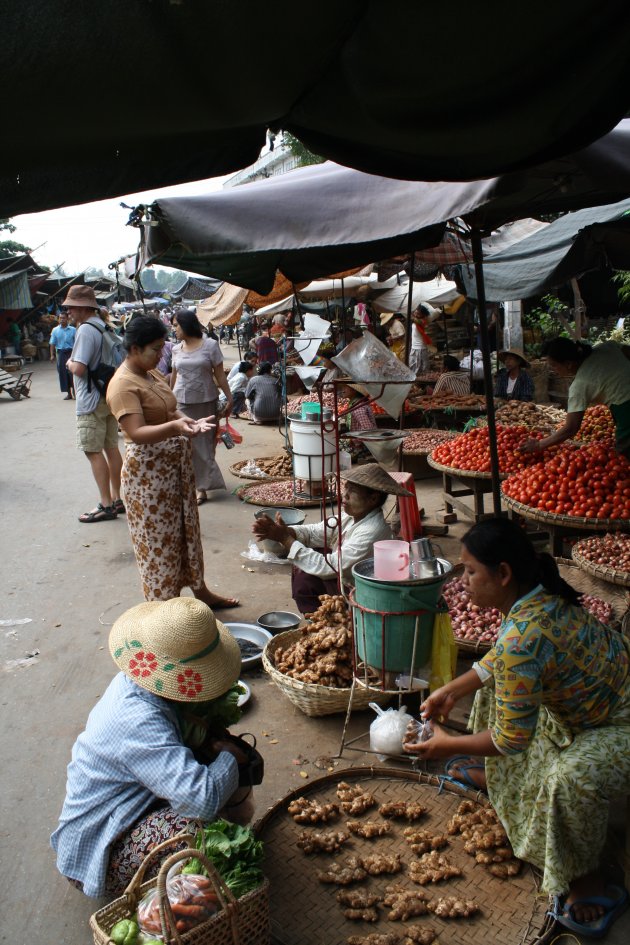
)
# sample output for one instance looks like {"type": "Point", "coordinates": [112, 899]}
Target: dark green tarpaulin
{"type": "Point", "coordinates": [113, 98]}
{"type": "Point", "coordinates": [576, 243]}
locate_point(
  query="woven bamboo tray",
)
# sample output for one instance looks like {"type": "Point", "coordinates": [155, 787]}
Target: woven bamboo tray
{"type": "Point", "coordinates": [237, 467]}
{"type": "Point", "coordinates": [601, 571]}
{"type": "Point", "coordinates": [311, 698]}
{"type": "Point", "coordinates": [305, 911]}
{"type": "Point", "coordinates": [571, 521]}
{"type": "Point", "coordinates": [462, 473]}
{"type": "Point", "coordinates": [244, 494]}
{"type": "Point", "coordinates": [585, 583]}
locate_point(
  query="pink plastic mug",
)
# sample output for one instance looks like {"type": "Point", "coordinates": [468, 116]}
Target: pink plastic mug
{"type": "Point", "coordinates": [391, 560]}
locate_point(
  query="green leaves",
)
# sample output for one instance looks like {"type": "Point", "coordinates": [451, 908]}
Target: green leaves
{"type": "Point", "coordinates": [235, 853]}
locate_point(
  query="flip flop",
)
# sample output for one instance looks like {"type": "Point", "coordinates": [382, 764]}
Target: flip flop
{"type": "Point", "coordinates": [614, 903]}
{"type": "Point", "coordinates": [464, 764]}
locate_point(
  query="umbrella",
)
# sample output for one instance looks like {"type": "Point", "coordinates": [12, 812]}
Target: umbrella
{"type": "Point", "coordinates": [197, 85]}
{"type": "Point", "coordinates": [570, 246]}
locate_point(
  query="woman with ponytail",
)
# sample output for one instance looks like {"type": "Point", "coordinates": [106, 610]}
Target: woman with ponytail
{"type": "Point", "coordinates": [601, 375]}
{"type": "Point", "coordinates": [551, 719]}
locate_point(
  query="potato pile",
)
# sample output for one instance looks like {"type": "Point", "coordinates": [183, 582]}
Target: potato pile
{"type": "Point", "coordinates": [274, 467]}
{"type": "Point", "coordinates": [454, 401]}
{"type": "Point", "coordinates": [323, 654]}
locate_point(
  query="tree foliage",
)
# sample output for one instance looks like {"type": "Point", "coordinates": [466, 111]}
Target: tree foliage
{"type": "Point", "coordinates": [6, 225]}
{"type": "Point", "coordinates": [10, 248]}
{"type": "Point", "coordinates": [300, 151]}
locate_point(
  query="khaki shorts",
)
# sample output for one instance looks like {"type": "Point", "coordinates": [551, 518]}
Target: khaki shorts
{"type": "Point", "coordinates": [98, 430]}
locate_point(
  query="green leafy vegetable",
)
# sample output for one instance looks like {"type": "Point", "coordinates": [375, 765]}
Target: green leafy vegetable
{"type": "Point", "coordinates": [234, 851]}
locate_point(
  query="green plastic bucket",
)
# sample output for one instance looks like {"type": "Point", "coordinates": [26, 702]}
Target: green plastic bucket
{"type": "Point", "coordinates": [387, 643]}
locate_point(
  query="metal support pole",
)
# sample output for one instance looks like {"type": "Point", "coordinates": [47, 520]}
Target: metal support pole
{"type": "Point", "coordinates": [412, 266]}
{"type": "Point", "coordinates": [475, 238]}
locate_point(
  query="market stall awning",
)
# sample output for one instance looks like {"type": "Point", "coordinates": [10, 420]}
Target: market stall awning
{"type": "Point", "coordinates": [15, 292]}
{"type": "Point", "coordinates": [197, 85]}
{"type": "Point", "coordinates": [436, 292]}
{"type": "Point", "coordinates": [570, 246]}
{"type": "Point", "coordinates": [324, 218]}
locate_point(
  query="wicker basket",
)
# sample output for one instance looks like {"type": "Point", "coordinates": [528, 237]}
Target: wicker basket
{"type": "Point", "coordinates": [236, 470]}
{"type": "Point", "coordinates": [244, 494]}
{"type": "Point", "coordinates": [567, 521]}
{"type": "Point", "coordinates": [512, 912]}
{"type": "Point", "coordinates": [601, 571]}
{"type": "Point", "coordinates": [462, 473]}
{"type": "Point", "coordinates": [243, 921]}
{"type": "Point", "coordinates": [311, 698]}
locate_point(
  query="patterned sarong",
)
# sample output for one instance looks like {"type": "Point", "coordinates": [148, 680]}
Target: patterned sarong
{"type": "Point", "coordinates": [159, 490]}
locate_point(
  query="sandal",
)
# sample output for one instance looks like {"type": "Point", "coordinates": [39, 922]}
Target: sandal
{"type": "Point", "coordinates": [102, 513]}
{"type": "Point", "coordinates": [202, 498]}
{"type": "Point", "coordinates": [615, 902]}
{"type": "Point", "coordinates": [463, 764]}
{"type": "Point", "coordinates": [119, 507]}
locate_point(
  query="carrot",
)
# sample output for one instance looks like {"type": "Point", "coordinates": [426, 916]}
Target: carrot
{"type": "Point", "coordinates": [181, 908]}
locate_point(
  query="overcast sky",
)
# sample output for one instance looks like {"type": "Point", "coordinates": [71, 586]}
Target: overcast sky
{"type": "Point", "coordinates": [91, 234]}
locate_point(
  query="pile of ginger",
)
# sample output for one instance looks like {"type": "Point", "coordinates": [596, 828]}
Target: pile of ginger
{"type": "Point", "coordinates": [323, 654]}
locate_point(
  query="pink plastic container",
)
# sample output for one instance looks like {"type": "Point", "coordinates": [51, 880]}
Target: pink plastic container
{"type": "Point", "coordinates": [391, 560]}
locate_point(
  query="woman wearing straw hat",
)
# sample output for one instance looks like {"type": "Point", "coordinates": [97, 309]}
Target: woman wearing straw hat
{"type": "Point", "coordinates": [133, 779]}
{"type": "Point", "coordinates": [362, 523]}
{"type": "Point", "coordinates": [158, 476]}
{"type": "Point", "coordinates": [513, 382]}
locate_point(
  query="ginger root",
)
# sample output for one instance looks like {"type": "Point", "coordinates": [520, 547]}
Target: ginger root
{"type": "Point", "coordinates": [422, 841]}
{"type": "Point", "coordinates": [506, 869]}
{"type": "Point", "coordinates": [323, 653]}
{"type": "Point", "coordinates": [344, 873]}
{"type": "Point", "coordinates": [404, 903]}
{"type": "Point", "coordinates": [357, 898]}
{"type": "Point", "coordinates": [403, 810]}
{"type": "Point", "coordinates": [368, 829]}
{"type": "Point", "coordinates": [414, 935]}
{"type": "Point", "coordinates": [354, 800]}
{"type": "Point", "coordinates": [370, 914]}
{"type": "Point", "coordinates": [450, 907]}
{"type": "Point", "coordinates": [304, 811]}
{"type": "Point", "coordinates": [433, 867]}
{"type": "Point", "coordinates": [375, 938]}
{"type": "Point", "coordinates": [321, 841]}
{"type": "Point", "coordinates": [377, 863]}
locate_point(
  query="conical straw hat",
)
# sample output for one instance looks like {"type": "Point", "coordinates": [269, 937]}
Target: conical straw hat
{"type": "Point", "coordinates": [373, 476]}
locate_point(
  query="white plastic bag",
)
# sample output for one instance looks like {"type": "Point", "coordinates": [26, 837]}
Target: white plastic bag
{"type": "Point", "coordinates": [388, 730]}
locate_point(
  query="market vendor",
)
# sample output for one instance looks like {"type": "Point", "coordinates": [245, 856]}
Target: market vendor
{"type": "Point", "coordinates": [551, 718]}
{"type": "Point", "coordinates": [134, 780]}
{"type": "Point", "coordinates": [601, 375]}
{"type": "Point", "coordinates": [365, 491]}
{"type": "Point", "coordinates": [513, 382]}
{"type": "Point", "coordinates": [452, 380]}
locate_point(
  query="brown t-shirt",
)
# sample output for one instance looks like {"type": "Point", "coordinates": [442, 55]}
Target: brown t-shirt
{"type": "Point", "coordinates": [149, 396]}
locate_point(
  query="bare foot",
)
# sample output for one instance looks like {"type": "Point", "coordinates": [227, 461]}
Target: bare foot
{"type": "Point", "coordinates": [585, 888]}
{"type": "Point", "coordinates": [215, 601]}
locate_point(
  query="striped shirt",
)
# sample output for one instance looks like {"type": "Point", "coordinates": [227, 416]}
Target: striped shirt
{"type": "Point", "coordinates": [453, 382]}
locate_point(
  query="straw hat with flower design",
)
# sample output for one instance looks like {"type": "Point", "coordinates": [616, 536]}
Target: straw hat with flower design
{"type": "Point", "coordinates": [176, 649]}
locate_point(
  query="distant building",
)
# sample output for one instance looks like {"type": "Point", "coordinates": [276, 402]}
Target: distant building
{"type": "Point", "coordinates": [269, 164]}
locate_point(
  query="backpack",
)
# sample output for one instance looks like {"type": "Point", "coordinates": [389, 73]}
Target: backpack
{"type": "Point", "coordinates": [112, 356]}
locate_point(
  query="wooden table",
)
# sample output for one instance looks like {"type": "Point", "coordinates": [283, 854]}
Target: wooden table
{"type": "Point", "coordinates": [462, 483]}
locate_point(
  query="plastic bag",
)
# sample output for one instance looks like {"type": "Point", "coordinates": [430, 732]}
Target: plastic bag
{"type": "Point", "coordinates": [418, 731]}
{"type": "Point", "coordinates": [443, 652]}
{"type": "Point", "coordinates": [387, 731]}
{"type": "Point", "coordinates": [231, 431]}
{"type": "Point", "coordinates": [192, 899]}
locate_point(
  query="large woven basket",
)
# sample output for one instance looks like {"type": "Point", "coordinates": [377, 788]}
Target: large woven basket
{"type": "Point", "coordinates": [311, 698]}
{"type": "Point", "coordinates": [461, 473]}
{"type": "Point", "coordinates": [236, 470]}
{"type": "Point", "coordinates": [567, 521]}
{"type": "Point", "coordinates": [245, 495]}
{"type": "Point", "coordinates": [305, 911]}
{"type": "Point", "coordinates": [601, 571]}
{"type": "Point", "coordinates": [243, 921]}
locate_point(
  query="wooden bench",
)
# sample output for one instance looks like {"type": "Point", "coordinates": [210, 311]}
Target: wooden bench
{"type": "Point", "coordinates": [16, 387]}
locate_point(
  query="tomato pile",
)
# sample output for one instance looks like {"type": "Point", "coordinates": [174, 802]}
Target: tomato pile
{"type": "Point", "coordinates": [590, 481]}
{"type": "Point", "coordinates": [471, 451]}
{"type": "Point", "coordinates": [597, 424]}
{"type": "Point", "coordinates": [470, 623]}
{"type": "Point", "coordinates": [612, 550]}
{"type": "Point", "coordinates": [380, 412]}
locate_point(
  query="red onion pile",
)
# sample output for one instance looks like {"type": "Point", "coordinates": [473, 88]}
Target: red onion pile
{"type": "Point", "coordinates": [597, 607]}
{"type": "Point", "coordinates": [270, 493]}
{"type": "Point", "coordinates": [471, 624]}
{"type": "Point", "coordinates": [424, 441]}
{"type": "Point", "coordinates": [612, 551]}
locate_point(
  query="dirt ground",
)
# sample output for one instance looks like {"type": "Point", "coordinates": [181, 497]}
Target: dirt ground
{"type": "Point", "coordinates": [71, 581]}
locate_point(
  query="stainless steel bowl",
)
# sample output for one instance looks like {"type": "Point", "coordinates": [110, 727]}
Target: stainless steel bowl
{"type": "Point", "coordinates": [275, 621]}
